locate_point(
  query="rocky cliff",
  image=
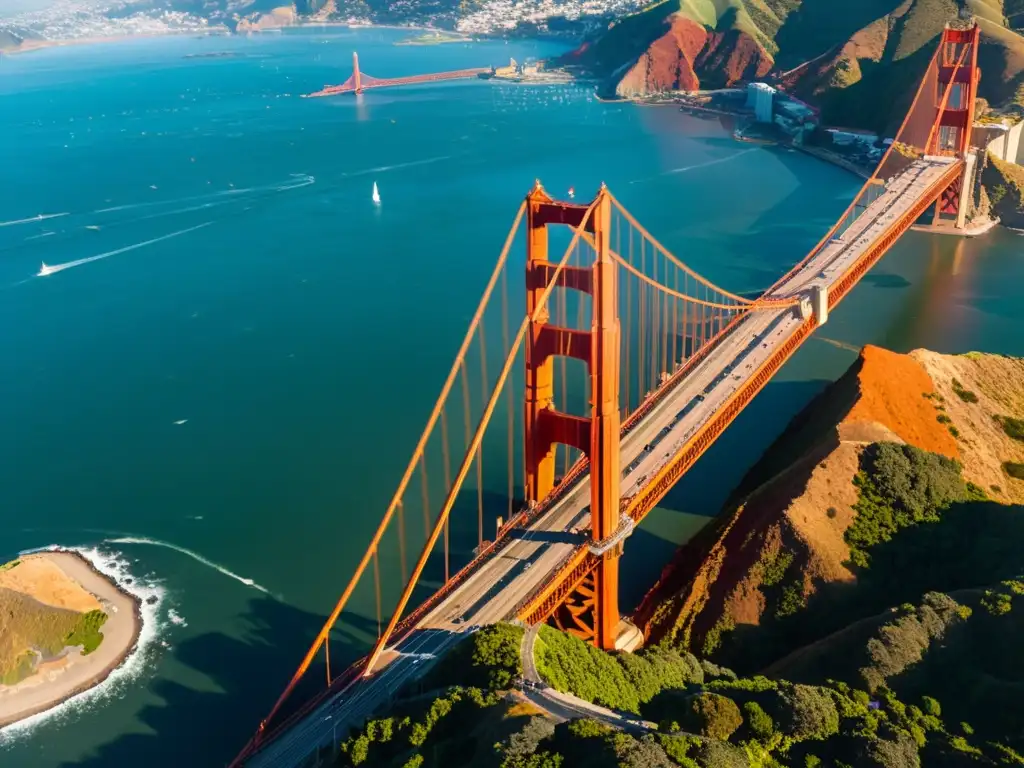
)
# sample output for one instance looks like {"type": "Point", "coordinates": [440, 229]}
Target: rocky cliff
{"type": "Point", "coordinates": [786, 537]}
{"type": "Point", "coordinates": [861, 60]}
{"type": "Point", "coordinates": [1004, 186]}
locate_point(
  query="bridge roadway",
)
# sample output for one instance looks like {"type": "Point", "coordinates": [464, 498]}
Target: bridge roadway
{"type": "Point", "coordinates": [531, 557]}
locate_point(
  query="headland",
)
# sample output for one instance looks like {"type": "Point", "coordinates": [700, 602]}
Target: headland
{"type": "Point", "coordinates": [66, 627]}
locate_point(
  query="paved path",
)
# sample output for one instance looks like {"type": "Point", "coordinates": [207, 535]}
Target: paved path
{"type": "Point", "coordinates": [564, 706]}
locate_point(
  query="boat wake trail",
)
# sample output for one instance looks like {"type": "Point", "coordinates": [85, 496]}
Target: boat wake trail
{"type": "Point", "coordinates": [49, 269]}
{"type": "Point", "coordinates": [189, 553]}
{"type": "Point", "coordinates": [40, 217]}
{"type": "Point", "coordinates": [410, 164]}
{"type": "Point", "coordinates": [687, 168]}
{"type": "Point", "coordinates": [296, 181]}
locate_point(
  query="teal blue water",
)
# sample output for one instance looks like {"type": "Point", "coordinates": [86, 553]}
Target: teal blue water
{"type": "Point", "coordinates": [219, 263]}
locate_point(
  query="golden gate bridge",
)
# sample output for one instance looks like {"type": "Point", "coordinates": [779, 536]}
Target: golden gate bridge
{"type": "Point", "coordinates": [360, 81]}
{"type": "Point", "coordinates": [665, 360]}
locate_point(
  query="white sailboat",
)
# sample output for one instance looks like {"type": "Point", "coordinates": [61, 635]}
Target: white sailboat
{"type": "Point", "coordinates": [376, 194]}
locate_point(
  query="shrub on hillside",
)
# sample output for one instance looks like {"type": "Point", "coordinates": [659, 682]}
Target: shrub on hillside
{"type": "Point", "coordinates": [573, 666]}
{"type": "Point", "coordinates": [489, 658]}
{"type": "Point", "coordinates": [620, 681]}
{"type": "Point", "coordinates": [904, 642]}
{"type": "Point", "coordinates": [810, 713]}
{"type": "Point", "coordinates": [720, 754]}
{"type": "Point", "coordinates": [1012, 427]}
{"type": "Point", "coordinates": [900, 486]}
{"type": "Point", "coordinates": [759, 721]}
{"type": "Point", "coordinates": [712, 715]}
{"type": "Point", "coordinates": [524, 742]}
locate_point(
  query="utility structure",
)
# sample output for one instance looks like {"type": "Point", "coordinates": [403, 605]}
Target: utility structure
{"type": "Point", "coordinates": [594, 609]}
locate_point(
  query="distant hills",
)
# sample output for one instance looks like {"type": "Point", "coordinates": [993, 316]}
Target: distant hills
{"type": "Point", "coordinates": [849, 56]}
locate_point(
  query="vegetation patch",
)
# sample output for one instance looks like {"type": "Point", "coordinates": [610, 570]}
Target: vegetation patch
{"type": "Point", "coordinates": [1014, 470]}
{"type": "Point", "coordinates": [901, 486]}
{"type": "Point", "coordinates": [30, 629]}
{"type": "Point", "coordinates": [620, 681]}
{"type": "Point", "coordinates": [964, 394]}
{"type": "Point", "coordinates": [489, 659]}
{"type": "Point", "coordinates": [1014, 428]}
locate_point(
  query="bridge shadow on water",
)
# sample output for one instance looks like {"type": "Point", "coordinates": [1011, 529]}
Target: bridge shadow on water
{"type": "Point", "coordinates": [209, 727]}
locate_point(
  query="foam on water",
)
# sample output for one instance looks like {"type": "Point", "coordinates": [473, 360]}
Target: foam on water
{"type": "Point", "coordinates": [189, 553]}
{"type": "Point", "coordinates": [151, 596]}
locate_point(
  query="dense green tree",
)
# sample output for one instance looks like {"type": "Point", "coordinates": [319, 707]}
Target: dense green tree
{"type": "Point", "coordinates": [712, 715]}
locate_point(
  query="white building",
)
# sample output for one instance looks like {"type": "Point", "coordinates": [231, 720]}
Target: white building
{"type": "Point", "coordinates": [759, 98]}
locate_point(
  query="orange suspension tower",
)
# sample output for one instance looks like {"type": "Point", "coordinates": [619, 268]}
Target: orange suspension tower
{"type": "Point", "coordinates": [545, 427]}
{"type": "Point", "coordinates": [355, 73]}
{"type": "Point", "coordinates": [958, 64]}
{"type": "Point", "coordinates": [958, 77]}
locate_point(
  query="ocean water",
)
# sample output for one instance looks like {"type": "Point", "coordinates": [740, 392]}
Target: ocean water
{"type": "Point", "coordinates": [217, 385]}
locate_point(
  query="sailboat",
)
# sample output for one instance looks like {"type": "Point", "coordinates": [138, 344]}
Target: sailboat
{"type": "Point", "coordinates": [376, 194]}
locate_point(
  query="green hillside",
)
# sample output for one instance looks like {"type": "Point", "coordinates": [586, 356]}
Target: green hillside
{"type": "Point", "coordinates": [29, 629]}
{"type": "Point", "coordinates": [707, 716]}
{"type": "Point", "coordinates": [861, 61]}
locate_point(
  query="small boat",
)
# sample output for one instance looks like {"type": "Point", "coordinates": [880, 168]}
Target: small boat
{"type": "Point", "coordinates": [376, 194]}
{"type": "Point", "coordinates": [572, 192]}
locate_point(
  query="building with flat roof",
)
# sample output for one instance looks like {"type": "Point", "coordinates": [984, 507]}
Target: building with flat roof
{"type": "Point", "coordinates": [760, 98]}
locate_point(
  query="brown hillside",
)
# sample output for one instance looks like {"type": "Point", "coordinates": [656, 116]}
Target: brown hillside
{"type": "Point", "coordinates": [861, 62]}
{"type": "Point", "coordinates": [784, 537]}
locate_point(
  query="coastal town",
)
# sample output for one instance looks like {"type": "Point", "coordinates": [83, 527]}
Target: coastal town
{"type": "Point", "coordinates": [71, 20]}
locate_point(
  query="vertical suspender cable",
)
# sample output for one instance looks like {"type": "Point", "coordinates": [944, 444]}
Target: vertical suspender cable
{"type": "Point", "coordinates": [655, 317]}
{"type": "Point", "coordinates": [563, 322]}
{"type": "Point", "coordinates": [403, 484]}
{"type": "Point", "coordinates": [641, 362]}
{"type": "Point", "coordinates": [479, 450]}
{"type": "Point", "coordinates": [425, 494]}
{"type": "Point", "coordinates": [447, 485]}
{"type": "Point", "coordinates": [626, 358]}
{"type": "Point", "coordinates": [401, 539]}
{"type": "Point", "coordinates": [376, 587]}
{"type": "Point", "coordinates": [510, 389]}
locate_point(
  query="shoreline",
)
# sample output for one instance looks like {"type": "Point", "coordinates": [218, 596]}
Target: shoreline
{"type": "Point", "coordinates": [28, 46]}
{"type": "Point", "coordinates": [33, 695]}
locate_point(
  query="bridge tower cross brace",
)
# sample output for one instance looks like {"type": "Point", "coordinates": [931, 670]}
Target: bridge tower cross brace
{"type": "Point", "coordinates": [545, 427]}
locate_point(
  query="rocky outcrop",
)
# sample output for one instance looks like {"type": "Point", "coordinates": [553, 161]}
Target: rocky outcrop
{"type": "Point", "coordinates": [731, 57]}
{"type": "Point", "coordinates": [783, 538]}
{"type": "Point", "coordinates": [285, 16]}
{"type": "Point", "coordinates": [668, 64]}
{"type": "Point", "coordinates": [688, 57]}
{"type": "Point", "coordinates": [1004, 184]}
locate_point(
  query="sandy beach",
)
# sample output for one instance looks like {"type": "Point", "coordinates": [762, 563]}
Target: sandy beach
{"type": "Point", "coordinates": [60, 679]}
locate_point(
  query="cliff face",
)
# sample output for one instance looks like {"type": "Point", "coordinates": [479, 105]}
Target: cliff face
{"type": "Point", "coordinates": [784, 539]}
{"type": "Point", "coordinates": [1004, 184]}
{"type": "Point", "coordinates": [860, 61]}
{"type": "Point", "coordinates": [672, 61]}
